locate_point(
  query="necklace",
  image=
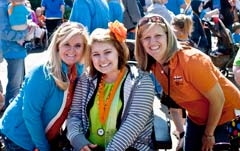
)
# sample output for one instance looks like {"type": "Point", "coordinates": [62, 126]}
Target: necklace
{"type": "Point", "coordinates": [104, 105]}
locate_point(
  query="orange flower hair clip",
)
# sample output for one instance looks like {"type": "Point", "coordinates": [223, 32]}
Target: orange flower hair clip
{"type": "Point", "coordinates": [118, 29]}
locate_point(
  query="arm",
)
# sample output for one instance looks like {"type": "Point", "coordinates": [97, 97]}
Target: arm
{"type": "Point", "coordinates": [34, 106]}
{"type": "Point", "coordinates": [139, 113]}
{"type": "Point", "coordinates": [77, 118]}
{"type": "Point", "coordinates": [216, 100]}
{"type": "Point", "coordinates": [207, 84]}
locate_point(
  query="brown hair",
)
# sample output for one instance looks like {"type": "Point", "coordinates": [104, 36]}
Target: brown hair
{"type": "Point", "coordinates": [106, 36]}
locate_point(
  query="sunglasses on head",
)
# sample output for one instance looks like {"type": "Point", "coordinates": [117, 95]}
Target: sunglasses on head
{"type": "Point", "coordinates": [152, 19]}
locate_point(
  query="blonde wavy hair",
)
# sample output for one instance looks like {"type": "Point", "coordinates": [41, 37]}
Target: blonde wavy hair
{"type": "Point", "coordinates": [184, 23]}
{"type": "Point", "coordinates": [106, 36]}
{"type": "Point", "coordinates": [62, 35]}
{"type": "Point", "coordinates": [145, 61]}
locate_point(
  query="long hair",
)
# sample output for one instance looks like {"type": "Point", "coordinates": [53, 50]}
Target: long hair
{"type": "Point", "coordinates": [144, 60]}
{"type": "Point", "coordinates": [62, 35]}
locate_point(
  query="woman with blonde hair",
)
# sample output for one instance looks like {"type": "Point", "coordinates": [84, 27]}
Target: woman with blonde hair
{"type": "Point", "coordinates": [38, 112]}
{"type": "Point", "coordinates": [190, 78]}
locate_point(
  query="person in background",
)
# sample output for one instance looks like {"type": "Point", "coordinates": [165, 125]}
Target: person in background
{"type": "Point", "coordinates": [40, 32]}
{"type": "Point", "coordinates": [34, 119]}
{"type": "Point", "coordinates": [12, 52]}
{"type": "Point", "coordinates": [176, 6]}
{"type": "Point", "coordinates": [189, 77]}
{"type": "Point", "coordinates": [158, 7]}
{"type": "Point", "coordinates": [112, 106]}
{"type": "Point", "coordinates": [96, 13]}
{"type": "Point", "coordinates": [54, 11]}
{"type": "Point", "coordinates": [116, 9]}
{"type": "Point", "coordinates": [41, 19]}
{"type": "Point", "coordinates": [226, 8]}
{"type": "Point", "coordinates": [183, 26]}
{"type": "Point", "coordinates": [236, 32]}
{"type": "Point", "coordinates": [131, 16]}
{"type": "Point", "coordinates": [198, 35]}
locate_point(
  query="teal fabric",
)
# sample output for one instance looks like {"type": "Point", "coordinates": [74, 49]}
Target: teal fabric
{"type": "Point", "coordinates": [25, 120]}
{"type": "Point", "coordinates": [96, 13]}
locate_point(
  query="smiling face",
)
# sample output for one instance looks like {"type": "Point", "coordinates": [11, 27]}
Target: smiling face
{"type": "Point", "coordinates": [71, 51]}
{"type": "Point", "coordinates": [104, 57]}
{"type": "Point", "coordinates": [154, 41]}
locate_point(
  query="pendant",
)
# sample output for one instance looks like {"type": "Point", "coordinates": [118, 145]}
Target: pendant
{"type": "Point", "coordinates": [100, 131]}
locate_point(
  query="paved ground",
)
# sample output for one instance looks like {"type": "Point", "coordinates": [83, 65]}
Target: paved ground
{"type": "Point", "coordinates": [37, 58]}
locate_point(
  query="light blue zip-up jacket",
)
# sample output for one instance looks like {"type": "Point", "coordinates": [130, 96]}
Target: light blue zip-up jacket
{"type": "Point", "coordinates": [91, 13]}
{"type": "Point", "coordinates": [8, 37]}
{"type": "Point", "coordinates": [26, 118]}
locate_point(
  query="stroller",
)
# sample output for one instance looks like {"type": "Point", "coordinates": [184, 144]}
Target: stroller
{"type": "Point", "coordinates": [225, 53]}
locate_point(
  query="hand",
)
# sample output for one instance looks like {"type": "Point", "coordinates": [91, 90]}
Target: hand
{"type": "Point", "coordinates": [207, 142]}
{"type": "Point", "coordinates": [88, 147]}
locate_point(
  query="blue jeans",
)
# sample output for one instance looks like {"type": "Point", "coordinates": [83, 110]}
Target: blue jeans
{"type": "Point", "coordinates": [194, 133]}
{"type": "Point", "coordinates": [15, 75]}
{"type": "Point", "coordinates": [11, 146]}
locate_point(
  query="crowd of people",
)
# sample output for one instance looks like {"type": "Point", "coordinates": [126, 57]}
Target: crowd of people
{"type": "Point", "coordinates": [90, 96]}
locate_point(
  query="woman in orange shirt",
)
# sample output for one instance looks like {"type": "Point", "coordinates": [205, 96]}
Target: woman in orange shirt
{"type": "Point", "coordinates": [190, 78]}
